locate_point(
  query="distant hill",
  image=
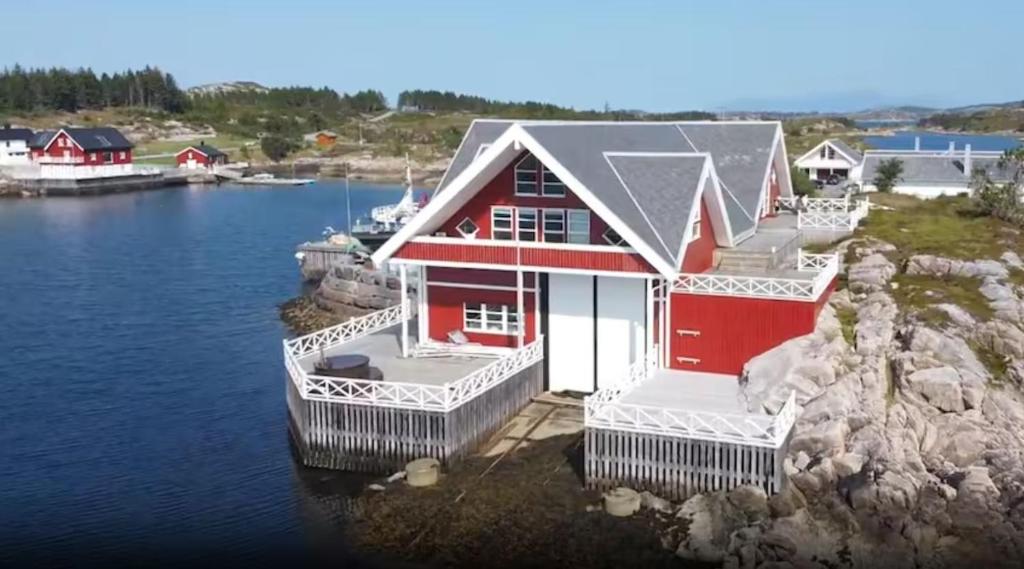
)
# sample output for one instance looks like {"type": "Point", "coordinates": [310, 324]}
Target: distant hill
{"type": "Point", "coordinates": [227, 87]}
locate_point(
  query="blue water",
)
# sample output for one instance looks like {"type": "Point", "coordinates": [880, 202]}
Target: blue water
{"type": "Point", "coordinates": [904, 140]}
{"type": "Point", "coordinates": [143, 389]}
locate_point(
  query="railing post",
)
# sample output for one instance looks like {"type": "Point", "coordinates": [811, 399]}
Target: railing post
{"type": "Point", "coordinates": [403, 277]}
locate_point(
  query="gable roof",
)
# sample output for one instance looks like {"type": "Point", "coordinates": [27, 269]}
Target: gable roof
{"type": "Point", "coordinates": [89, 139]}
{"type": "Point", "coordinates": [205, 149]}
{"type": "Point", "coordinates": [8, 133]}
{"type": "Point", "coordinates": [640, 177]}
{"type": "Point", "coordinates": [852, 155]}
{"type": "Point", "coordinates": [740, 150]}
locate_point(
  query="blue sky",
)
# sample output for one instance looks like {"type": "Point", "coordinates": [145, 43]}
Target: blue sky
{"type": "Point", "coordinates": [658, 56]}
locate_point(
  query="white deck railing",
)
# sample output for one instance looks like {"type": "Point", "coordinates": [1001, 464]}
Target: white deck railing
{"type": "Point", "coordinates": [825, 268]}
{"type": "Point", "coordinates": [833, 214]}
{"type": "Point", "coordinates": [426, 397]}
{"type": "Point", "coordinates": [605, 410]}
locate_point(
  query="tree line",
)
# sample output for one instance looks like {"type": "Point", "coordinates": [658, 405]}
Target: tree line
{"type": "Point", "coordinates": [26, 90]}
{"type": "Point", "coordinates": [449, 101]}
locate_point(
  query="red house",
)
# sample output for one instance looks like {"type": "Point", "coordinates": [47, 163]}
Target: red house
{"type": "Point", "coordinates": [201, 156]}
{"type": "Point", "coordinates": [82, 152]}
{"type": "Point", "coordinates": [609, 239]}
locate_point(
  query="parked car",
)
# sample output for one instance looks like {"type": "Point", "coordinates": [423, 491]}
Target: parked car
{"type": "Point", "coordinates": [833, 180]}
{"type": "Point", "coordinates": [819, 184]}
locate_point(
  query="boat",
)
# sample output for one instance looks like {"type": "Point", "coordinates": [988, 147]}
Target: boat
{"type": "Point", "coordinates": [266, 179]}
{"type": "Point", "coordinates": [384, 221]}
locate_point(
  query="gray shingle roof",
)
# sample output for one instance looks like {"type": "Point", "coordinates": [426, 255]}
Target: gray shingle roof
{"type": "Point", "coordinates": [664, 188]}
{"type": "Point", "coordinates": [740, 153]}
{"type": "Point", "coordinates": [846, 149]}
{"type": "Point", "coordinates": [934, 168]}
{"type": "Point", "coordinates": [90, 139]}
{"type": "Point", "coordinates": [209, 151]}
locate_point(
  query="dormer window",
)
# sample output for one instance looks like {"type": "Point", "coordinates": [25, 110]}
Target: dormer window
{"type": "Point", "coordinates": [612, 237]}
{"type": "Point", "coordinates": [467, 228]}
{"type": "Point", "coordinates": [526, 176]}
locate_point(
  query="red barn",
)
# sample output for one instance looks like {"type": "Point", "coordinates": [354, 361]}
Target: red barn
{"type": "Point", "coordinates": [611, 240]}
{"type": "Point", "coordinates": [201, 156]}
{"type": "Point", "coordinates": [82, 152]}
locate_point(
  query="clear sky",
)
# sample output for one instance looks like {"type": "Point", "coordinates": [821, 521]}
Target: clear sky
{"type": "Point", "coordinates": [658, 56]}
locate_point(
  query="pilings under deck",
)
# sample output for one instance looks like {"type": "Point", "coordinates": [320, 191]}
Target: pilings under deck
{"type": "Point", "coordinates": [380, 439]}
{"type": "Point", "coordinates": [676, 467]}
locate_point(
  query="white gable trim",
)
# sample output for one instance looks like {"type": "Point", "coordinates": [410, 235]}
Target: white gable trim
{"type": "Point", "coordinates": [785, 162]}
{"type": "Point", "coordinates": [694, 205]}
{"type": "Point", "coordinates": [516, 138]}
{"type": "Point", "coordinates": [766, 181]}
{"type": "Point", "coordinates": [724, 236]}
{"type": "Point", "coordinates": [67, 134]}
{"type": "Point", "coordinates": [826, 142]}
{"type": "Point", "coordinates": [192, 148]}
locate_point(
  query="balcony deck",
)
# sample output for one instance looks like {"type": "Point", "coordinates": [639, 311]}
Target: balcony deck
{"type": "Point", "coordinates": [688, 390]}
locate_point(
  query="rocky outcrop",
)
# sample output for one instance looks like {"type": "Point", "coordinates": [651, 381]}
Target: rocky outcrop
{"type": "Point", "coordinates": [354, 285]}
{"type": "Point", "coordinates": [909, 447]}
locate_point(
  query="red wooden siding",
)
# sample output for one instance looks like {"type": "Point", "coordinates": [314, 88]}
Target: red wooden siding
{"type": "Point", "coordinates": [477, 276]}
{"type": "Point", "coordinates": [91, 158]}
{"type": "Point", "coordinates": [193, 154]}
{"type": "Point", "coordinates": [505, 255]}
{"type": "Point", "coordinates": [734, 330]}
{"type": "Point", "coordinates": [700, 254]}
{"type": "Point", "coordinates": [445, 313]}
{"type": "Point", "coordinates": [501, 191]}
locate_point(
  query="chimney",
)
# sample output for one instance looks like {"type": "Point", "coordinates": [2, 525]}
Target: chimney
{"type": "Point", "coordinates": [917, 144]}
{"type": "Point", "coordinates": [952, 146]}
{"type": "Point", "coordinates": [968, 162]}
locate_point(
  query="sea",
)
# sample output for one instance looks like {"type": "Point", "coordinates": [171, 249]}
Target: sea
{"type": "Point", "coordinates": [143, 404]}
{"type": "Point", "coordinates": [904, 140]}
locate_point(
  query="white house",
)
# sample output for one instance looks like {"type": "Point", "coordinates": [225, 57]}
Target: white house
{"type": "Point", "coordinates": [929, 174]}
{"type": "Point", "coordinates": [832, 156]}
{"type": "Point", "coordinates": [14, 148]}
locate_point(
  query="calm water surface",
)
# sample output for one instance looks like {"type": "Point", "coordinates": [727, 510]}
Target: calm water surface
{"type": "Point", "coordinates": [904, 140]}
{"type": "Point", "coordinates": [143, 398]}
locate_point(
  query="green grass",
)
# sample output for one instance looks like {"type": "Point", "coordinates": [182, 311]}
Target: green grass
{"type": "Point", "coordinates": [168, 146]}
{"type": "Point", "coordinates": [918, 293]}
{"type": "Point", "coordinates": [943, 226]}
{"type": "Point", "coordinates": [995, 363]}
{"type": "Point", "coordinates": [848, 324]}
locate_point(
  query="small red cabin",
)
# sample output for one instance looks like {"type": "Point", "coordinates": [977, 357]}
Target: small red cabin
{"type": "Point", "coordinates": [200, 156]}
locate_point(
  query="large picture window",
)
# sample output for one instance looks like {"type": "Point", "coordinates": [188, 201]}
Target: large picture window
{"type": "Point", "coordinates": [526, 176]}
{"type": "Point", "coordinates": [501, 223]}
{"type": "Point", "coordinates": [554, 225]}
{"type": "Point", "coordinates": [490, 318]}
{"type": "Point", "coordinates": [578, 226]}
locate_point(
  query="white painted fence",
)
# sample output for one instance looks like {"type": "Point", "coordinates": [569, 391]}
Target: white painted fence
{"type": "Point", "coordinates": [824, 267]}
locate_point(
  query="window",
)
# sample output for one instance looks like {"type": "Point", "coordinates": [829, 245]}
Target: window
{"type": "Point", "coordinates": [831, 153]}
{"type": "Point", "coordinates": [554, 225]}
{"type": "Point", "coordinates": [124, 155]}
{"type": "Point", "coordinates": [552, 187]}
{"type": "Point", "coordinates": [490, 318]}
{"type": "Point", "coordinates": [526, 223]}
{"type": "Point", "coordinates": [467, 228]}
{"type": "Point", "coordinates": [579, 226]}
{"type": "Point", "coordinates": [612, 237]}
{"type": "Point", "coordinates": [501, 223]}
{"type": "Point", "coordinates": [695, 228]}
{"type": "Point", "coordinates": [108, 157]}
{"type": "Point", "coordinates": [526, 176]}
{"type": "Point", "coordinates": [821, 153]}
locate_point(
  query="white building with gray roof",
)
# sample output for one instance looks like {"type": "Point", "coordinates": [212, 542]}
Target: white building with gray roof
{"type": "Point", "coordinates": [830, 157]}
{"type": "Point", "coordinates": [930, 174]}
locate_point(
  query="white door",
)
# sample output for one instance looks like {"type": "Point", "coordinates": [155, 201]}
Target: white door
{"type": "Point", "coordinates": [621, 332]}
{"type": "Point", "coordinates": [570, 333]}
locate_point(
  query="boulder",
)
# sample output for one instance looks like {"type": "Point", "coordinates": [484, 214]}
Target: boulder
{"type": "Point", "coordinates": [939, 386]}
{"type": "Point", "coordinates": [751, 500]}
{"type": "Point", "coordinates": [871, 273]}
{"type": "Point", "coordinates": [1012, 260]}
{"type": "Point", "coordinates": [828, 438]}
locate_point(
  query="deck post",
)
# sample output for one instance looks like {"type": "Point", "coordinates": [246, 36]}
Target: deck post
{"type": "Point", "coordinates": [649, 314]}
{"type": "Point", "coordinates": [422, 316]}
{"type": "Point", "coordinates": [403, 277]}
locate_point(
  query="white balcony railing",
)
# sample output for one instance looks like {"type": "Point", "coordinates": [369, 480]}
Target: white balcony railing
{"type": "Point", "coordinates": [823, 269]}
{"type": "Point", "coordinates": [605, 410]}
{"type": "Point", "coordinates": [403, 395]}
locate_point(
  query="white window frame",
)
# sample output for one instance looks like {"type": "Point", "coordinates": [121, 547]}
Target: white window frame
{"type": "Point", "coordinates": [582, 235]}
{"type": "Point", "coordinates": [545, 184]}
{"type": "Point", "coordinates": [620, 243]}
{"type": "Point", "coordinates": [511, 220]}
{"type": "Point", "coordinates": [561, 213]}
{"type": "Point", "coordinates": [695, 227]}
{"type": "Point", "coordinates": [520, 230]}
{"type": "Point", "coordinates": [124, 155]}
{"type": "Point", "coordinates": [505, 316]}
{"type": "Point", "coordinates": [530, 172]}
{"type": "Point", "coordinates": [472, 235]}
